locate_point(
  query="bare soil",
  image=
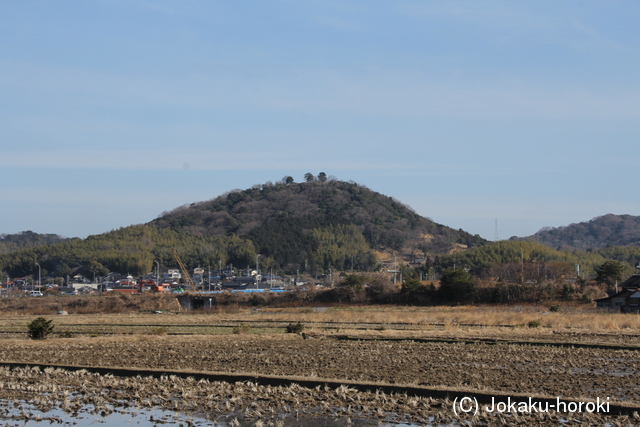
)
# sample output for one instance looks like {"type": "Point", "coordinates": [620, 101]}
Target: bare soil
{"type": "Point", "coordinates": [536, 370]}
{"type": "Point", "coordinates": [575, 363]}
{"type": "Point", "coordinates": [77, 392]}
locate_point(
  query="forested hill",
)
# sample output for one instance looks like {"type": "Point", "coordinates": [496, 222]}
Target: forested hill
{"type": "Point", "coordinates": [600, 232]}
{"type": "Point", "coordinates": [27, 240]}
{"type": "Point", "coordinates": [307, 227]}
{"type": "Point", "coordinates": [317, 222]}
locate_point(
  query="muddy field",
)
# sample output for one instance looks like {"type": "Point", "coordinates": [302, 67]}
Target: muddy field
{"type": "Point", "coordinates": [574, 363]}
{"type": "Point", "coordinates": [244, 403]}
{"type": "Point", "coordinates": [505, 368]}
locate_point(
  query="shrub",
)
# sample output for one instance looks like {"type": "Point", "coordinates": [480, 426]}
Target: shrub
{"type": "Point", "coordinates": [241, 329]}
{"type": "Point", "coordinates": [554, 308]}
{"type": "Point", "coordinates": [533, 324]}
{"type": "Point", "coordinates": [339, 294]}
{"type": "Point", "coordinates": [40, 328]}
{"type": "Point", "coordinates": [258, 300]}
{"type": "Point", "coordinates": [295, 328]}
{"type": "Point", "coordinates": [355, 281]}
{"type": "Point", "coordinates": [411, 285]}
{"type": "Point", "coordinates": [159, 330]}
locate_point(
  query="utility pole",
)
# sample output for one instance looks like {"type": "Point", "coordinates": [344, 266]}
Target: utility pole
{"type": "Point", "coordinates": [522, 265]}
{"type": "Point", "coordinates": [157, 274]}
{"type": "Point", "coordinates": [257, 269]}
{"type": "Point", "coordinates": [395, 268]}
{"type": "Point", "coordinates": [39, 277]}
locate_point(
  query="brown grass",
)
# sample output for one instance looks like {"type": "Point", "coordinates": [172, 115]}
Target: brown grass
{"type": "Point", "coordinates": [465, 320]}
{"type": "Point", "coordinates": [578, 317]}
{"type": "Point", "coordinates": [123, 309]}
{"type": "Point", "coordinates": [104, 304]}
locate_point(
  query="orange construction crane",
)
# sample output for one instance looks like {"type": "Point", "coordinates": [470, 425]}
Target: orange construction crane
{"type": "Point", "coordinates": [185, 273]}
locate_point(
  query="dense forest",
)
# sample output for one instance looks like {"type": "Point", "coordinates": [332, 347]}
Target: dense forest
{"type": "Point", "coordinates": [600, 232]}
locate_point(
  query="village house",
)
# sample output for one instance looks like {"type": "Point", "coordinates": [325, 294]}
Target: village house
{"type": "Point", "coordinates": [625, 301]}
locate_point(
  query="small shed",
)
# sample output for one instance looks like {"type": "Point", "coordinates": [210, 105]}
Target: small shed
{"type": "Point", "coordinates": [190, 302]}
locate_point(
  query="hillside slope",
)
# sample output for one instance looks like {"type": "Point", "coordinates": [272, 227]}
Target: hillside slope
{"type": "Point", "coordinates": [600, 232]}
{"type": "Point", "coordinates": [316, 224]}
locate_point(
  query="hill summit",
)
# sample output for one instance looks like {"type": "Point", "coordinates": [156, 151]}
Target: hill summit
{"type": "Point", "coordinates": [316, 224]}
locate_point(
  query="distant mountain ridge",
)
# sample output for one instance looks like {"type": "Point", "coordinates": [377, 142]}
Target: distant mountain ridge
{"type": "Point", "coordinates": [600, 232]}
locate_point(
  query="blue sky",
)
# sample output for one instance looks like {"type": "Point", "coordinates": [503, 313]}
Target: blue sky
{"type": "Point", "coordinates": [112, 112]}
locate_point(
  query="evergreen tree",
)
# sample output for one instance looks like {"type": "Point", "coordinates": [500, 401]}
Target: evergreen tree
{"type": "Point", "coordinates": [609, 272]}
{"type": "Point", "coordinates": [457, 286]}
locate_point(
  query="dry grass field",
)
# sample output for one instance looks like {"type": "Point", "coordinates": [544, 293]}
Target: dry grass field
{"type": "Point", "coordinates": [575, 323]}
{"type": "Point", "coordinates": [576, 352]}
{"type": "Point", "coordinates": [568, 315]}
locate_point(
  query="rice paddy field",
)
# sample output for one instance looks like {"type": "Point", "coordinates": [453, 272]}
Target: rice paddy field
{"type": "Point", "coordinates": [346, 366]}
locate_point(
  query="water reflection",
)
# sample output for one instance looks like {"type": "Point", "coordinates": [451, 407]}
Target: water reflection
{"type": "Point", "coordinates": [20, 414]}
